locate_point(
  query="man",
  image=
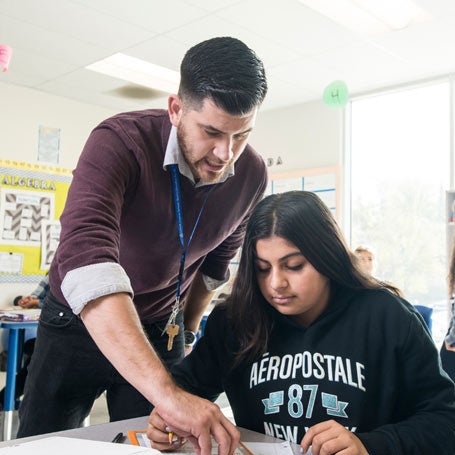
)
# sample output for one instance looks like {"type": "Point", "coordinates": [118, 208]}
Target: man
{"type": "Point", "coordinates": [115, 304]}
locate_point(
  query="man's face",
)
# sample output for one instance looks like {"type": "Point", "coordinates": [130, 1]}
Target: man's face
{"type": "Point", "coordinates": [209, 138]}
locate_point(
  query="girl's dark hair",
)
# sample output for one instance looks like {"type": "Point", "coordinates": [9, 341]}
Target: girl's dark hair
{"type": "Point", "coordinates": [304, 220]}
{"type": "Point", "coordinates": [226, 71]}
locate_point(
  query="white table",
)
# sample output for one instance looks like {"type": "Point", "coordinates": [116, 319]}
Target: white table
{"type": "Point", "coordinates": [107, 431]}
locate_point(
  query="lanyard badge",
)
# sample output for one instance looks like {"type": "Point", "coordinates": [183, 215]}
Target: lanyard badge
{"type": "Point", "coordinates": [172, 329]}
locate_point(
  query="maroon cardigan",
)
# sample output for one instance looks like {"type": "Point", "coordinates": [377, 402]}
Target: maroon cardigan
{"type": "Point", "coordinates": [120, 209]}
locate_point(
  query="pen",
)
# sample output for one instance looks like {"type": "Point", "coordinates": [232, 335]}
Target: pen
{"type": "Point", "coordinates": [118, 438]}
{"type": "Point", "coordinates": [244, 447]}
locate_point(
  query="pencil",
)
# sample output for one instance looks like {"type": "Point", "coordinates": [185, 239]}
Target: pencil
{"type": "Point", "coordinates": [247, 450]}
{"type": "Point", "coordinates": [170, 436]}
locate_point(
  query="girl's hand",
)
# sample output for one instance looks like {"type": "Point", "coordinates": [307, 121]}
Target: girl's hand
{"type": "Point", "coordinates": [330, 437]}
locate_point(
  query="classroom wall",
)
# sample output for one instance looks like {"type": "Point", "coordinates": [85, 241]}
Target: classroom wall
{"type": "Point", "coordinates": [303, 136]}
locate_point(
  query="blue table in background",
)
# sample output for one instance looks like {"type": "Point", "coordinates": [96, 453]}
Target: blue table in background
{"type": "Point", "coordinates": [14, 362]}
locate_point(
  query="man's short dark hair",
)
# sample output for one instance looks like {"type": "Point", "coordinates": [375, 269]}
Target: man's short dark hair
{"type": "Point", "coordinates": [225, 70]}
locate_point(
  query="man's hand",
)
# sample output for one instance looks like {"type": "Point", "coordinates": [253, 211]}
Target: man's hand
{"type": "Point", "coordinates": [330, 437]}
{"type": "Point", "coordinates": [114, 325]}
{"type": "Point", "coordinates": [194, 419]}
{"type": "Point", "coordinates": [450, 348]}
{"type": "Point", "coordinates": [158, 433]}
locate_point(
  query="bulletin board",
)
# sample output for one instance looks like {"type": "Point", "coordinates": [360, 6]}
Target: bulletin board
{"type": "Point", "coordinates": [32, 198]}
{"type": "Point", "coordinates": [325, 182]}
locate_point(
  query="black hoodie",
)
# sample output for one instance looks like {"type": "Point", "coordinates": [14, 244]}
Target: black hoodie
{"type": "Point", "coordinates": [367, 362]}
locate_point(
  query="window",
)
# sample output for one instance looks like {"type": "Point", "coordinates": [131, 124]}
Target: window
{"type": "Point", "coordinates": [400, 171]}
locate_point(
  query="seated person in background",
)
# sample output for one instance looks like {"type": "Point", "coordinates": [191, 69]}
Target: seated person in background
{"type": "Point", "coordinates": [448, 347]}
{"type": "Point", "coordinates": [309, 349]}
{"type": "Point", "coordinates": [367, 258]}
{"type": "Point", "coordinates": [34, 300]}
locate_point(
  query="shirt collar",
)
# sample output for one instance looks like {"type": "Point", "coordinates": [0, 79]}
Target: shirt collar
{"type": "Point", "coordinates": [174, 155]}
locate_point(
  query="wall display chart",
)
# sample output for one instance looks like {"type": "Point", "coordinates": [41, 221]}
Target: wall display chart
{"type": "Point", "coordinates": [322, 181]}
{"type": "Point", "coordinates": [32, 198]}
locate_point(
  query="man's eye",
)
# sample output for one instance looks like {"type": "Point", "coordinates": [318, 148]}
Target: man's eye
{"type": "Point", "coordinates": [212, 133]}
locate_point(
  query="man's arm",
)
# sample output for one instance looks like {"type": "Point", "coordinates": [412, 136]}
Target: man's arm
{"type": "Point", "coordinates": [114, 325]}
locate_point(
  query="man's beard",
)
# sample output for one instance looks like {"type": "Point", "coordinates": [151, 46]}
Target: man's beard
{"type": "Point", "coordinates": [210, 177]}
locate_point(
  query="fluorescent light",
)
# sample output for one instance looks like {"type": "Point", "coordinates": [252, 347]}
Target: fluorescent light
{"type": "Point", "coordinates": [368, 16]}
{"type": "Point", "coordinates": [138, 71]}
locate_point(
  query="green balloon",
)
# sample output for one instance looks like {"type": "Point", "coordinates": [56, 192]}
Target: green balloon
{"type": "Point", "coordinates": [336, 94]}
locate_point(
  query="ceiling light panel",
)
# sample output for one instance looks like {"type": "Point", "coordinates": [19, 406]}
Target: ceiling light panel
{"type": "Point", "coordinates": [140, 72]}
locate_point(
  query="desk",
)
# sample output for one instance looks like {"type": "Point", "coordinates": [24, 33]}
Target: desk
{"type": "Point", "coordinates": [15, 342]}
{"type": "Point", "coordinates": [106, 431]}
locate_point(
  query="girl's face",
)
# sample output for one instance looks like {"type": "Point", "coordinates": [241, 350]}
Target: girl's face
{"type": "Point", "coordinates": [289, 282]}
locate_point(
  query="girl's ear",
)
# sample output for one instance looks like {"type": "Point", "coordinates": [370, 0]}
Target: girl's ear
{"type": "Point", "coordinates": [175, 108]}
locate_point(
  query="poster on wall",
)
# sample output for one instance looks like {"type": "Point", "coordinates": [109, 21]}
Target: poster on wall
{"type": "Point", "coordinates": [290, 184]}
{"type": "Point", "coordinates": [322, 181]}
{"type": "Point", "coordinates": [50, 236]}
{"type": "Point", "coordinates": [324, 185]}
{"type": "Point", "coordinates": [48, 144]}
{"type": "Point", "coordinates": [32, 198]}
{"type": "Point", "coordinates": [22, 213]}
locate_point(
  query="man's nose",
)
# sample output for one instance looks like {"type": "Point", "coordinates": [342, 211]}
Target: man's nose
{"type": "Point", "coordinates": [223, 150]}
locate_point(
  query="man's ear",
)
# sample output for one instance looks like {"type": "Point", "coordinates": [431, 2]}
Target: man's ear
{"type": "Point", "coordinates": [175, 108]}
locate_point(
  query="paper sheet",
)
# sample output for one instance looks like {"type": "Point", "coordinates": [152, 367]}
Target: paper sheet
{"type": "Point", "coordinates": [270, 448]}
{"type": "Point", "coordinates": [72, 446]}
{"type": "Point", "coordinates": [258, 448]}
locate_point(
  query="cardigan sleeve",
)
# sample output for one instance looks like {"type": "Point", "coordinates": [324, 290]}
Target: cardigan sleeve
{"type": "Point", "coordinates": [90, 235]}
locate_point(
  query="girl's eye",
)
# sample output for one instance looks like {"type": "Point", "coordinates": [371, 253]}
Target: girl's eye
{"type": "Point", "coordinates": [295, 267]}
{"type": "Point", "coordinates": [261, 269]}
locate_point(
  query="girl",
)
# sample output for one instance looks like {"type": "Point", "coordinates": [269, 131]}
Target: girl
{"type": "Point", "coordinates": [310, 349]}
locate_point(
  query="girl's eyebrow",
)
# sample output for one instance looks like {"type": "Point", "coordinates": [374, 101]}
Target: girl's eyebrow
{"type": "Point", "coordinates": [284, 258]}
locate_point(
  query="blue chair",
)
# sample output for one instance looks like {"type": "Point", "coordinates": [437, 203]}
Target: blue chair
{"type": "Point", "coordinates": [202, 327]}
{"type": "Point", "coordinates": [426, 313]}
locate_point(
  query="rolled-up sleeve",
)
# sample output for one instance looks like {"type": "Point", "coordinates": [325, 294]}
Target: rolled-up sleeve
{"type": "Point", "coordinates": [84, 284]}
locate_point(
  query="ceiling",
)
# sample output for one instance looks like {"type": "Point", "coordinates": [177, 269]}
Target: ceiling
{"type": "Point", "coordinates": [303, 51]}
